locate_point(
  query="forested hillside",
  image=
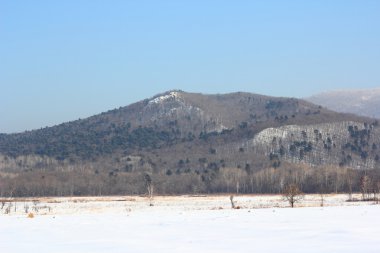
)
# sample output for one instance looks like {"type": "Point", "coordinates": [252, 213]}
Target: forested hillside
{"type": "Point", "coordinates": [193, 143]}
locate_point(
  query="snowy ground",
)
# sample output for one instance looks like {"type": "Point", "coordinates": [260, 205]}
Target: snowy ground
{"type": "Point", "coordinates": [191, 224]}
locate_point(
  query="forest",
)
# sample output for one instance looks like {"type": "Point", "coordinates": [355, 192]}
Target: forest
{"type": "Point", "coordinates": [87, 182]}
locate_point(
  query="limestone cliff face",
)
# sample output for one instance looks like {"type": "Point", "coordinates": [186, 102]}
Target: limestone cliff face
{"type": "Point", "coordinates": [346, 143]}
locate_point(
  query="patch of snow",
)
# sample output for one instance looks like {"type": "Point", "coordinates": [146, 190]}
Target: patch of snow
{"type": "Point", "coordinates": [163, 98]}
{"type": "Point", "coordinates": [366, 98]}
{"type": "Point", "coordinates": [271, 139]}
{"type": "Point", "coordinates": [266, 136]}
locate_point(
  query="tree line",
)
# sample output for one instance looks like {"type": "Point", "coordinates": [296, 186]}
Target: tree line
{"type": "Point", "coordinates": [87, 182]}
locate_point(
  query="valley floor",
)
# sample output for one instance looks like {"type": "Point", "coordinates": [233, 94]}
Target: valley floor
{"type": "Point", "coordinates": [191, 224]}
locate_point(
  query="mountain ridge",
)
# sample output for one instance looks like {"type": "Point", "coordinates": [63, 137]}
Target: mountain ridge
{"type": "Point", "coordinates": [363, 102]}
{"type": "Point", "coordinates": [192, 140]}
{"type": "Point", "coordinates": [174, 109]}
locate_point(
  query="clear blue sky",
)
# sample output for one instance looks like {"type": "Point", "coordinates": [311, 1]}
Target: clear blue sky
{"type": "Point", "coordinates": [64, 60]}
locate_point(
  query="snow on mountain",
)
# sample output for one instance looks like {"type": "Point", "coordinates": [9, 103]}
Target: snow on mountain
{"type": "Point", "coordinates": [162, 98]}
{"type": "Point", "coordinates": [365, 102]}
{"type": "Point", "coordinates": [312, 144]}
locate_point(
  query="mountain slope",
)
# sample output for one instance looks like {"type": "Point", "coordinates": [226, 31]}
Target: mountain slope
{"type": "Point", "coordinates": [166, 120]}
{"type": "Point", "coordinates": [162, 120]}
{"type": "Point", "coordinates": [190, 142]}
{"type": "Point", "coordinates": [365, 102]}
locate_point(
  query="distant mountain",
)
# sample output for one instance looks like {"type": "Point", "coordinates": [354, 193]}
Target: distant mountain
{"type": "Point", "coordinates": [365, 102]}
{"type": "Point", "coordinates": [166, 120]}
{"type": "Point", "coordinates": [188, 143]}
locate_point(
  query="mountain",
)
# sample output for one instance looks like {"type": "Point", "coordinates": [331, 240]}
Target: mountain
{"type": "Point", "coordinates": [365, 102]}
{"type": "Point", "coordinates": [190, 143]}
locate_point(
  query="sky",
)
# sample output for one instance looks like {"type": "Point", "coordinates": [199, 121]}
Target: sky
{"type": "Point", "coordinates": [64, 60]}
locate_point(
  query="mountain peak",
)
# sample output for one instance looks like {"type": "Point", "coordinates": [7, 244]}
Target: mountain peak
{"type": "Point", "coordinates": [200, 139]}
{"type": "Point", "coordinates": [170, 95]}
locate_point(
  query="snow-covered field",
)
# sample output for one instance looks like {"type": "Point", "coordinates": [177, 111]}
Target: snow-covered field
{"type": "Point", "coordinates": [191, 224]}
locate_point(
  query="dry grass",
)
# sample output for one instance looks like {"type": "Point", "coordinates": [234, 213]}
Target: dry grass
{"type": "Point", "coordinates": [127, 204]}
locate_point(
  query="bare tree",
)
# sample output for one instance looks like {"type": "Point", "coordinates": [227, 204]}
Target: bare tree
{"type": "Point", "coordinates": [322, 193]}
{"type": "Point", "coordinates": [365, 183]}
{"type": "Point", "coordinates": [292, 194]}
{"type": "Point", "coordinates": [8, 208]}
{"type": "Point", "coordinates": [322, 198]}
{"type": "Point", "coordinates": [376, 191]}
{"type": "Point", "coordinates": [149, 188]}
{"type": "Point", "coordinates": [350, 182]}
{"type": "Point", "coordinates": [232, 202]}
{"type": "Point", "coordinates": [26, 207]}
